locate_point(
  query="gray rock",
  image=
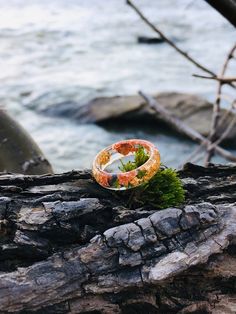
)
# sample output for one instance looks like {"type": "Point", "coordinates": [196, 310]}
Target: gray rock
{"type": "Point", "coordinates": [191, 109]}
{"type": "Point", "coordinates": [150, 40]}
{"type": "Point", "coordinates": [63, 109]}
{"type": "Point", "coordinates": [19, 152]}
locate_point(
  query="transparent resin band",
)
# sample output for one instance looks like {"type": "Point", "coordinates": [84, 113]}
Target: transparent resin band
{"type": "Point", "coordinates": [130, 179]}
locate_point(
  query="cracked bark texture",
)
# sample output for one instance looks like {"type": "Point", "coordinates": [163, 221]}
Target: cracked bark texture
{"type": "Point", "coordinates": [69, 246]}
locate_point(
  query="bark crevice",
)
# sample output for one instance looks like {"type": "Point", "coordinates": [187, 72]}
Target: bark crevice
{"type": "Point", "coordinates": [73, 247]}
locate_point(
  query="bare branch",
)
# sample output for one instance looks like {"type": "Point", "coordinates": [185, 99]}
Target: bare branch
{"type": "Point", "coordinates": [192, 157]}
{"type": "Point", "coordinates": [169, 41]}
{"type": "Point", "coordinates": [225, 133]}
{"type": "Point", "coordinates": [228, 98]}
{"type": "Point", "coordinates": [183, 128]}
{"type": "Point", "coordinates": [223, 120]}
{"type": "Point", "coordinates": [216, 108]}
{"type": "Point", "coordinates": [223, 80]}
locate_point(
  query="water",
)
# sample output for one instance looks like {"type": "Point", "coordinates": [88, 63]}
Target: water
{"type": "Point", "coordinates": [59, 50]}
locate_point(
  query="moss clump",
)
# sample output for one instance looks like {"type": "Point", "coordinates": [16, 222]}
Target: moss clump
{"type": "Point", "coordinates": [163, 190]}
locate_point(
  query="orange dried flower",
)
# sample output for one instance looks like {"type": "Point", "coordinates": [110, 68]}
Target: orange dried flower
{"type": "Point", "coordinates": [104, 178]}
{"type": "Point", "coordinates": [104, 157]}
{"type": "Point", "coordinates": [126, 178]}
{"type": "Point", "coordinates": [124, 148]}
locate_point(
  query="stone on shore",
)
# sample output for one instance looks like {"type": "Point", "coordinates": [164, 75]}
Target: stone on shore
{"type": "Point", "coordinates": [19, 152]}
{"type": "Point", "coordinates": [191, 109]}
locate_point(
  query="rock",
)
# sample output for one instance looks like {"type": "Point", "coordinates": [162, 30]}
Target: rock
{"type": "Point", "coordinates": [19, 152]}
{"type": "Point", "coordinates": [66, 109]}
{"type": "Point", "coordinates": [191, 109]}
{"type": "Point", "coordinates": [106, 108]}
{"type": "Point", "coordinates": [149, 40]}
{"type": "Point", "coordinates": [26, 93]}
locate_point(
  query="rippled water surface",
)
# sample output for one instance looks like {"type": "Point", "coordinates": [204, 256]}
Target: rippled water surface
{"type": "Point", "coordinates": [58, 50]}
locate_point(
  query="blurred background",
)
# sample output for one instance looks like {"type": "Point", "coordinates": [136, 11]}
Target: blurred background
{"type": "Point", "coordinates": [74, 50]}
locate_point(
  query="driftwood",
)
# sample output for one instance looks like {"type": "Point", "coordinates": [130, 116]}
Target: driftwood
{"type": "Point", "coordinates": [69, 246]}
{"type": "Point", "coordinates": [177, 124]}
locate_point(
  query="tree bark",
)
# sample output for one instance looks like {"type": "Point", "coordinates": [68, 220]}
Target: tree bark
{"type": "Point", "coordinates": [69, 246]}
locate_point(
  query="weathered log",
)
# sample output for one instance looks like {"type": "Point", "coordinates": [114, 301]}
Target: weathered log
{"type": "Point", "coordinates": [69, 246]}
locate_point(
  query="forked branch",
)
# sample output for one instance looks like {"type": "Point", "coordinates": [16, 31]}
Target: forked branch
{"type": "Point", "coordinates": [171, 43]}
{"type": "Point", "coordinates": [223, 80]}
{"type": "Point", "coordinates": [183, 128]}
{"type": "Point", "coordinates": [216, 107]}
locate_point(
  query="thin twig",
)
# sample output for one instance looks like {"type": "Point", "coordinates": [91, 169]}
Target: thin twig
{"type": "Point", "coordinates": [171, 43]}
{"type": "Point", "coordinates": [222, 137]}
{"type": "Point", "coordinates": [168, 40]}
{"type": "Point", "coordinates": [179, 125]}
{"type": "Point", "coordinates": [198, 157]}
{"type": "Point", "coordinates": [226, 97]}
{"type": "Point", "coordinates": [220, 125]}
{"type": "Point", "coordinates": [216, 107]}
{"type": "Point", "coordinates": [223, 80]}
{"type": "Point", "coordinates": [225, 133]}
{"type": "Point", "coordinates": [194, 157]}
{"type": "Point", "coordinates": [193, 154]}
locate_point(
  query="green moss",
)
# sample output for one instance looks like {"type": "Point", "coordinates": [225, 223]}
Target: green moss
{"type": "Point", "coordinates": [163, 190]}
{"type": "Point", "coordinates": [141, 174]}
{"type": "Point", "coordinates": [116, 184]}
{"type": "Point", "coordinates": [140, 157]}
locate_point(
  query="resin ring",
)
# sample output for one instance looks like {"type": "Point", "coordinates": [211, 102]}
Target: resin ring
{"type": "Point", "coordinates": [116, 180]}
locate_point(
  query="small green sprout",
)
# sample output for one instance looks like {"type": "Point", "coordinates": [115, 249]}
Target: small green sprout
{"type": "Point", "coordinates": [140, 157]}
